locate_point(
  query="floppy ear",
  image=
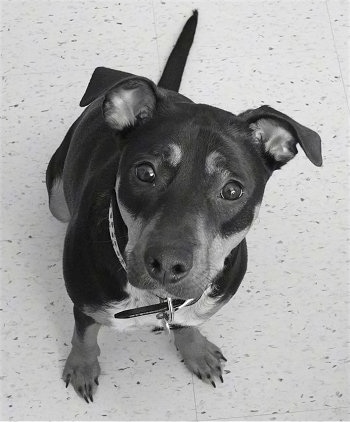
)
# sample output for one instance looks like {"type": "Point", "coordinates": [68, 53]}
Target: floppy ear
{"type": "Point", "coordinates": [101, 81]}
{"type": "Point", "coordinates": [279, 135]}
{"type": "Point", "coordinates": [131, 101]}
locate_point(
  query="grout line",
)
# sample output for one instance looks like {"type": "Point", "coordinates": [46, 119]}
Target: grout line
{"type": "Point", "coordinates": [195, 399]}
{"type": "Point", "coordinates": [276, 414]}
{"type": "Point", "coordinates": [222, 58]}
{"type": "Point", "coordinates": [90, 70]}
{"type": "Point", "coordinates": [336, 52]}
{"type": "Point", "coordinates": [128, 67]}
{"type": "Point", "coordinates": [156, 34]}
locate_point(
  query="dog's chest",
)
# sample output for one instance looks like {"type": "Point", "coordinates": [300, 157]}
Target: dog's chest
{"type": "Point", "coordinates": [137, 298]}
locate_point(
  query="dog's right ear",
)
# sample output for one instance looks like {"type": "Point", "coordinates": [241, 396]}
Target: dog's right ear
{"type": "Point", "coordinates": [131, 101]}
{"type": "Point", "coordinates": [101, 81]}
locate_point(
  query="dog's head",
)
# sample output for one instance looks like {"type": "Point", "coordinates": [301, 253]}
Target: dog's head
{"type": "Point", "coordinates": [191, 179]}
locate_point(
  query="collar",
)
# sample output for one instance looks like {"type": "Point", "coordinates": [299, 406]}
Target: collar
{"type": "Point", "coordinates": [113, 208]}
{"type": "Point", "coordinates": [166, 308]}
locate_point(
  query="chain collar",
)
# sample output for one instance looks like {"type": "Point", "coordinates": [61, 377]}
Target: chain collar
{"type": "Point", "coordinates": [113, 236]}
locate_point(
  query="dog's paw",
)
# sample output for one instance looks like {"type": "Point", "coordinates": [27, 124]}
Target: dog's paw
{"type": "Point", "coordinates": [82, 374]}
{"type": "Point", "coordinates": [200, 356]}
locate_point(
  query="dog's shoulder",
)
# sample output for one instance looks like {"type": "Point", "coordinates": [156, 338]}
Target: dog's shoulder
{"type": "Point", "coordinates": [92, 271]}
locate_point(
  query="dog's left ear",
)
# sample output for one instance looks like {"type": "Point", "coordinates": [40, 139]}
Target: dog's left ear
{"type": "Point", "coordinates": [279, 135]}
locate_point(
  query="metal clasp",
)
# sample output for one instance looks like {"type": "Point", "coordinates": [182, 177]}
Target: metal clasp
{"type": "Point", "coordinates": [167, 317]}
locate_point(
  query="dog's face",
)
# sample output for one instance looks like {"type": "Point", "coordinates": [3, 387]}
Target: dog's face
{"type": "Point", "coordinates": [189, 186]}
{"type": "Point", "coordinates": [190, 182]}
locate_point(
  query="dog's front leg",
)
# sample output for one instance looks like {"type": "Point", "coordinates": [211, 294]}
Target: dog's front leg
{"type": "Point", "coordinates": [200, 356]}
{"type": "Point", "coordinates": [82, 368]}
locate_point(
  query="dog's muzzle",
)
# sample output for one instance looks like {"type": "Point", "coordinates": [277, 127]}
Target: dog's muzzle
{"type": "Point", "coordinates": [160, 267]}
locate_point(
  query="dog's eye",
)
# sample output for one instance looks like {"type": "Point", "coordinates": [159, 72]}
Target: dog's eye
{"type": "Point", "coordinates": [231, 191]}
{"type": "Point", "coordinates": [145, 172]}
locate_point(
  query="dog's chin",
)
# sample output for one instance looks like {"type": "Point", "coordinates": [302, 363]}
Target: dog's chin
{"type": "Point", "coordinates": [163, 292]}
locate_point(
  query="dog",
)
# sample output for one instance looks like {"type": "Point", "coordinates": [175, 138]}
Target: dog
{"type": "Point", "coordinates": [159, 194]}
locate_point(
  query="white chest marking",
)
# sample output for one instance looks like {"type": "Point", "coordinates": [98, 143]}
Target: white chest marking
{"type": "Point", "coordinates": [191, 315]}
{"type": "Point", "coordinates": [137, 298]}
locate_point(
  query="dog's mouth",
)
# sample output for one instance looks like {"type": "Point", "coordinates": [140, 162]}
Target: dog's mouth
{"type": "Point", "coordinates": [163, 295]}
{"type": "Point", "coordinates": [185, 290]}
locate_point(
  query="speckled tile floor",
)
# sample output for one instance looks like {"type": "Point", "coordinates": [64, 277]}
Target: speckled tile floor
{"type": "Point", "coordinates": [286, 332]}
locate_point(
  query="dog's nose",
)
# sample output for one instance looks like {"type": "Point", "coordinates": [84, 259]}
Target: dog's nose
{"type": "Point", "coordinates": [168, 265]}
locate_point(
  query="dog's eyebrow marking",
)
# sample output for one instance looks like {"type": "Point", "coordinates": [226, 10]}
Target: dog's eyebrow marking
{"type": "Point", "coordinates": [174, 155]}
{"type": "Point", "coordinates": [171, 153]}
{"type": "Point", "coordinates": [215, 164]}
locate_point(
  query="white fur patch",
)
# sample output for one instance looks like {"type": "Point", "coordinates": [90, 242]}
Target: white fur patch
{"type": "Point", "coordinates": [221, 247]}
{"type": "Point", "coordinates": [122, 106]}
{"type": "Point", "coordinates": [199, 312]}
{"type": "Point", "coordinates": [256, 211]}
{"type": "Point", "coordinates": [212, 161]}
{"type": "Point", "coordinates": [137, 299]}
{"type": "Point", "coordinates": [278, 143]}
{"type": "Point", "coordinates": [214, 164]}
{"type": "Point", "coordinates": [133, 224]}
{"type": "Point", "coordinates": [119, 111]}
{"type": "Point", "coordinates": [58, 205]}
{"type": "Point", "coordinates": [190, 315]}
{"type": "Point", "coordinates": [276, 139]}
{"type": "Point", "coordinates": [175, 155]}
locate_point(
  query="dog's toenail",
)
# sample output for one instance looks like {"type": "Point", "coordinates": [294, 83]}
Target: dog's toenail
{"type": "Point", "coordinates": [67, 380]}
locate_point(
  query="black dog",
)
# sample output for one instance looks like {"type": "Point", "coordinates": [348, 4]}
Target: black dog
{"type": "Point", "coordinates": [172, 187]}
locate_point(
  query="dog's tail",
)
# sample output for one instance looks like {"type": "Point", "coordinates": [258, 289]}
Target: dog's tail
{"type": "Point", "coordinates": [174, 68]}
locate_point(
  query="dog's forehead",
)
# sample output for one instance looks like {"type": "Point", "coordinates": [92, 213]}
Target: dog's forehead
{"type": "Point", "coordinates": [200, 136]}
